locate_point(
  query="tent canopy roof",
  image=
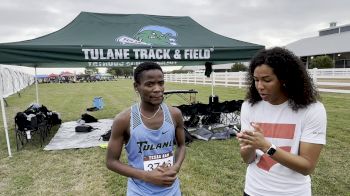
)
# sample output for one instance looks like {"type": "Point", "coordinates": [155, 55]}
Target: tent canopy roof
{"type": "Point", "coordinates": [103, 40]}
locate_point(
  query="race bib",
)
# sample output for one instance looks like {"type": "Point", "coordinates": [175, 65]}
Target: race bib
{"type": "Point", "coordinates": [153, 161]}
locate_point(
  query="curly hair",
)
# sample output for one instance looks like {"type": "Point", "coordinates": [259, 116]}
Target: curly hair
{"type": "Point", "coordinates": [288, 68]}
{"type": "Point", "coordinates": [144, 67]}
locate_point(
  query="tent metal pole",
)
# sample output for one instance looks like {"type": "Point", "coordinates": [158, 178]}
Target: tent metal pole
{"type": "Point", "coordinates": [36, 86]}
{"type": "Point", "coordinates": [5, 126]}
{"type": "Point", "coordinates": [212, 86]}
{"type": "Point", "coordinates": [4, 117]}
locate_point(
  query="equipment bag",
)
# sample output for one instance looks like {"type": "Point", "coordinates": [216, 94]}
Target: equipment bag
{"type": "Point", "coordinates": [88, 118]}
{"type": "Point", "coordinates": [107, 135]}
{"type": "Point", "coordinates": [84, 128]}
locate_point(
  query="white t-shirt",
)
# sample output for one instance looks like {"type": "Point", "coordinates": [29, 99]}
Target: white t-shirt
{"type": "Point", "coordinates": [284, 128]}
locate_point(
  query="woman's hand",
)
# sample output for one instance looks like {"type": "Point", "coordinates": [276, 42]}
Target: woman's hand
{"type": "Point", "coordinates": [253, 139]}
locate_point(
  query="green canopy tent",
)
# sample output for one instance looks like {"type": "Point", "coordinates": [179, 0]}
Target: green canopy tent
{"type": "Point", "coordinates": [108, 40]}
{"type": "Point", "coordinates": [103, 40]}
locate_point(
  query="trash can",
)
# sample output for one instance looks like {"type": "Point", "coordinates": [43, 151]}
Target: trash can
{"type": "Point", "coordinates": [98, 102]}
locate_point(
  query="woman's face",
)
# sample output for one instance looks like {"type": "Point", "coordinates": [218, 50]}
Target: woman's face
{"type": "Point", "coordinates": [151, 86]}
{"type": "Point", "coordinates": [268, 85]}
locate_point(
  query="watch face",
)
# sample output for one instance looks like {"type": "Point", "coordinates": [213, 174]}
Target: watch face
{"type": "Point", "coordinates": [271, 151]}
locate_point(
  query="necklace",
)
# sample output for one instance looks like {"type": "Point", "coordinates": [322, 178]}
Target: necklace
{"type": "Point", "coordinates": [149, 118]}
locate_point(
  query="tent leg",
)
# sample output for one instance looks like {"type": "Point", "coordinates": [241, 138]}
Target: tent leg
{"type": "Point", "coordinates": [4, 119]}
{"type": "Point", "coordinates": [36, 87]}
{"type": "Point", "coordinates": [212, 87]}
{"type": "Point", "coordinates": [5, 127]}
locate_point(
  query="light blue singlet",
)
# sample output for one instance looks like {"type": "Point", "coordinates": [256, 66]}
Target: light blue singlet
{"type": "Point", "coordinates": [147, 148]}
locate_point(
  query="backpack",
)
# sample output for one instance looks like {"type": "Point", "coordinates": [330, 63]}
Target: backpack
{"type": "Point", "coordinates": [55, 118]}
{"type": "Point", "coordinates": [83, 128]}
{"type": "Point", "coordinates": [107, 135]}
{"type": "Point", "coordinates": [88, 118]}
{"type": "Point", "coordinates": [23, 123]}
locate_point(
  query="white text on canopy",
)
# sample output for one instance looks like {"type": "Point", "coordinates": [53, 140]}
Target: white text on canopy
{"type": "Point", "coordinates": [146, 54]}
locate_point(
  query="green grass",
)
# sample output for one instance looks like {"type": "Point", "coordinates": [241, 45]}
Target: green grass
{"type": "Point", "coordinates": [210, 168]}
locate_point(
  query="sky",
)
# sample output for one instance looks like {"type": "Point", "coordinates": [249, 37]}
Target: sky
{"type": "Point", "coordinates": [265, 22]}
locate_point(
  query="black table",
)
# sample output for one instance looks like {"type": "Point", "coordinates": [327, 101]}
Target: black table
{"type": "Point", "coordinates": [187, 95]}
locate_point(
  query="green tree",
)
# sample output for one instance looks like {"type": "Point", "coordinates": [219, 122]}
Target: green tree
{"type": "Point", "coordinates": [321, 62]}
{"type": "Point", "coordinates": [91, 70]}
{"type": "Point", "coordinates": [238, 67]}
{"type": "Point", "coordinates": [180, 71]}
{"type": "Point", "coordinates": [114, 71]}
{"type": "Point", "coordinates": [120, 71]}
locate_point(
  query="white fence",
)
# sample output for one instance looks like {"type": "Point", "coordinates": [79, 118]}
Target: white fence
{"type": "Point", "coordinates": [327, 80]}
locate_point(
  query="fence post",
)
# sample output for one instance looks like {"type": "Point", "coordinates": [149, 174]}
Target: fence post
{"type": "Point", "coordinates": [188, 77]}
{"type": "Point", "coordinates": [314, 75]}
{"type": "Point", "coordinates": [226, 78]}
{"type": "Point", "coordinates": [214, 78]}
{"type": "Point", "coordinates": [240, 79]}
{"type": "Point", "coordinates": [203, 79]}
{"type": "Point", "coordinates": [195, 77]}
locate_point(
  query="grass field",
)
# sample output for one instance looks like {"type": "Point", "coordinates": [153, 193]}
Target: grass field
{"type": "Point", "coordinates": [210, 168]}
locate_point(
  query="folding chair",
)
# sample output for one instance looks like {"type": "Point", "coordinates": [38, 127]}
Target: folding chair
{"type": "Point", "coordinates": [29, 131]}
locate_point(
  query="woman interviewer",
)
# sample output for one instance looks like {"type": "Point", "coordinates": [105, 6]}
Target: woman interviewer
{"type": "Point", "coordinates": [283, 126]}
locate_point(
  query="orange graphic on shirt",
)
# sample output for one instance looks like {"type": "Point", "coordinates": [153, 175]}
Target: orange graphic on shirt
{"type": "Point", "coordinates": [282, 131]}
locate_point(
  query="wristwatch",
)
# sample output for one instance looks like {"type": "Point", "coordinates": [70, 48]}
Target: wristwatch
{"type": "Point", "coordinates": [271, 150]}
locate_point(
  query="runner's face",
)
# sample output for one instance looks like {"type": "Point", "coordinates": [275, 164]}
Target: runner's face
{"type": "Point", "coordinates": [268, 85]}
{"type": "Point", "coordinates": [151, 86]}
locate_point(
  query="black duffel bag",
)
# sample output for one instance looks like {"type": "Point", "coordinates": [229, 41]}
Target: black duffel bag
{"type": "Point", "coordinates": [83, 128]}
